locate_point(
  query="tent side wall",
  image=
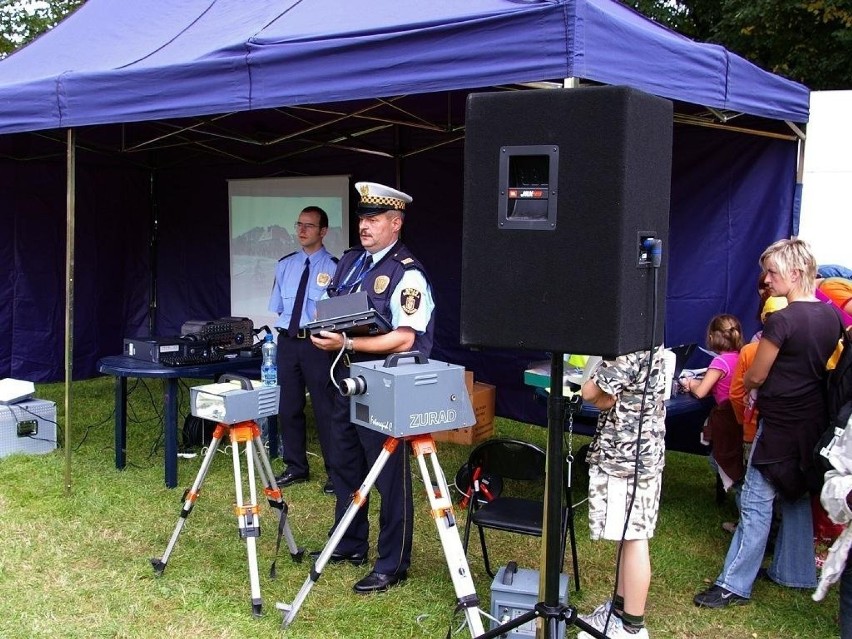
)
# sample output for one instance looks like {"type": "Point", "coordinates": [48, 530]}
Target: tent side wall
{"type": "Point", "coordinates": [111, 269]}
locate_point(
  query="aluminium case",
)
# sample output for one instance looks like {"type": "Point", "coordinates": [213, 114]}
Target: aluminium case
{"type": "Point", "coordinates": [410, 398]}
{"type": "Point", "coordinates": [515, 594]}
{"type": "Point", "coordinates": [42, 440]}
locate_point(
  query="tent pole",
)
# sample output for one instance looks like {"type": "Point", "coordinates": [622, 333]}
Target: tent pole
{"type": "Point", "coordinates": [800, 180]}
{"type": "Point", "coordinates": [70, 187]}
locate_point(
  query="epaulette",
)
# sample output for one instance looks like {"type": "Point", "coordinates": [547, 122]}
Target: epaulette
{"type": "Point", "coordinates": [288, 255]}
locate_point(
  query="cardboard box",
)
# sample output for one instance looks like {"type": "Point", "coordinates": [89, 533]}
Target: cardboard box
{"type": "Point", "coordinates": [466, 436]}
{"type": "Point", "coordinates": [483, 398]}
{"type": "Point", "coordinates": [468, 381]}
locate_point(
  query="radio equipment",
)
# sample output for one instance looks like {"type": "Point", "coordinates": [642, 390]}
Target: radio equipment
{"type": "Point", "coordinates": [171, 351]}
{"type": "Point", "coordinates": [230, 333]}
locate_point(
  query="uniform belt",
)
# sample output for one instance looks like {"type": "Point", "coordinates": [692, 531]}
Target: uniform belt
{"type": "Point", "coordinates": [302, 334]}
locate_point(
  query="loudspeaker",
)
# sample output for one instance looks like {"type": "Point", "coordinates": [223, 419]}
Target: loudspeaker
{"type": "Point", "coordinates": [566, 206]}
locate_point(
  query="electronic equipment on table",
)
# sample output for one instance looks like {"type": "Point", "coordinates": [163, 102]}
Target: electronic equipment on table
{"type": "Point", "coordinates": [353, 313]}
{"type": "Point", "coordinates": [230, 333]}
{"type": "Point", "coordinates": [172, 351]}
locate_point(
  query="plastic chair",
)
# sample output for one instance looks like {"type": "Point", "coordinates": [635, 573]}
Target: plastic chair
{"type": "Point", "coordinates": [521, 468]}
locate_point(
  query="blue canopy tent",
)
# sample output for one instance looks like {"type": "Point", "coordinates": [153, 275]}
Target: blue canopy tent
{"type": "Point", "coordinates": [170, 99]}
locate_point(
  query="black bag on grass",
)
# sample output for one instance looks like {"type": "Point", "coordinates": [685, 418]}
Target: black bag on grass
{"type": "Point", "coordinates": [197, 432]}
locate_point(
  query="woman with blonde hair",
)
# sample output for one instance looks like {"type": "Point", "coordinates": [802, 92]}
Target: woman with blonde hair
{"type": "Point", "coordinates": [789, 369]}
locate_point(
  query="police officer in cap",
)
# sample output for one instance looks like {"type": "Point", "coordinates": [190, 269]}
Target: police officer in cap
{"type": "Point", "coordinates": [398, 287]}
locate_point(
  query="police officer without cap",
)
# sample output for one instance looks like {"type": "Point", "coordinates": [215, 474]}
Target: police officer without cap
{"type": "Point", "coordinates": [397, 285]}
{"type": "Point", "coordinates": [301, 279]}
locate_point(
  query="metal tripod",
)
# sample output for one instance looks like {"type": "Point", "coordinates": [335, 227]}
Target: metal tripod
{"type": "Point", "coordinates": [441, 508]}
{"type": "Point", "coordinates": [551, 611]}
{"type": "Point", "coordinates": [248, 514]}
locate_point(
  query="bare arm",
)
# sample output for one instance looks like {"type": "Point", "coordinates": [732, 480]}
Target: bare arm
{"type": "Point", "coordinates": [702, 387]}
{"type": "Point", "coordinates": [398, 340]}
{"type": "Point", "coordinates": [593, 394]}
{"type": "Point", "coordinates": [763, 361]}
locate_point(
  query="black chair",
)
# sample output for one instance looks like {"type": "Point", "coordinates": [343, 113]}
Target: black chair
{"type": "Point", "coordinates": [517, 470]}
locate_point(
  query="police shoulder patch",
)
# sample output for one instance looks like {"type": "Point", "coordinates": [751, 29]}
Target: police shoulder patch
{"type": "Point", "coordinates": [410, 300]}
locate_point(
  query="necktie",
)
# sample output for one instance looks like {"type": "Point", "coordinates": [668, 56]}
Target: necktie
{"type": "Point", "coordinates": [368, 262]}
{"type": "Point", "coordinates": [299, 304]}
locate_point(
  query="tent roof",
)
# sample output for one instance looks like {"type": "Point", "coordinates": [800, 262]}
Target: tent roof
{"type": "Point", "coordinates": [113, 61]}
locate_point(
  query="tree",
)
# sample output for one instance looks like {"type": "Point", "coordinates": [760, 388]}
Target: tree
{"type": "Point", "coordinates": [23, 20]}
{"type": "Point", "coordinates": [809, 41]}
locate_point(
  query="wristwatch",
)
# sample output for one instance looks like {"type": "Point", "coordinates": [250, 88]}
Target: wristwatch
{"type": "Point", "coordinates": [350, 347]}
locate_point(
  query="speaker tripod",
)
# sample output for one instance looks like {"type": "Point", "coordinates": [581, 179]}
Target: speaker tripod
{"type": "Point", "coordinates": [441, 507]}
{"type": "Point", "coordinates": [550, 610]}
{"type": "Point", "coordinates": [248, 514]}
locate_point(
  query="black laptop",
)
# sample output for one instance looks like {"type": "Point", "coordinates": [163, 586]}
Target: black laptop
{"type": "Point", "coordinates": [683, 353]}
{"type": "Point", "coordinates": [353, 314]}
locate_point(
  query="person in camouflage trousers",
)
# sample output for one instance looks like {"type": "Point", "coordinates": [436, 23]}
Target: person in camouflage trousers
{"type": "Point", "coordinates": [626, 460]}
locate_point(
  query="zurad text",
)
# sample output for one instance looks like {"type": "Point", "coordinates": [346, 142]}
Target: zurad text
{"type": "Point", "coordinates": [432, 418]}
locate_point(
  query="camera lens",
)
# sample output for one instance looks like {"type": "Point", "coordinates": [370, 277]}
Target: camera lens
{"type": "Point", "coordinates": [353, 386]}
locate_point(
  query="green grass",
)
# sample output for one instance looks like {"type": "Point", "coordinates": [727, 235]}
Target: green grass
{"type": "Point", "coordinates": [77, 565]}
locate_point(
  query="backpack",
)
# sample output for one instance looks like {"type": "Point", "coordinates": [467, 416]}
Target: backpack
{"type": "Point", "coordinates": [838, 403]}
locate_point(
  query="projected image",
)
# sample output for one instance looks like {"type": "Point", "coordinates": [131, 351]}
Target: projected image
{"type": "Point", "coordinates": [263, 213]}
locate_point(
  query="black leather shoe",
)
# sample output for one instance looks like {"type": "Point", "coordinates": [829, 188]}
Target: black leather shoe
{"type": "Point", "coordinates": [377, 582]}
{"type": "Point", "coordinates": [355, 558]}
{"type": "Point", "coordinates": [288, 478]}
{"type": "Point", "coordinates": [328, 489]}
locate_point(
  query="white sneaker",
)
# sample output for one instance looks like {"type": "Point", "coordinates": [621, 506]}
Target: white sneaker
{"type": "Point", "coordinates": [615, 629]}
{"type": "Point", "coordinates": [617, 632]}
{"type": "Point", "coordinates": [598, 618]}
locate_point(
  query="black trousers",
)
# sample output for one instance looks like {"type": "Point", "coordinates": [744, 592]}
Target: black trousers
{"type": "Point", "coordinates": [354, 450]}
{"type": "Point", "coordinates": [302, 365]}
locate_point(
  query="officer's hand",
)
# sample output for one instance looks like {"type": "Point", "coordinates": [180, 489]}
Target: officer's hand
{"type": "Point", "coordinates": [328, 341]}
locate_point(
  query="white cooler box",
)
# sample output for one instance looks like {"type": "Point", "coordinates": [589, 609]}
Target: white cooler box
{"type": "Point", "coordinates": [28, 427]}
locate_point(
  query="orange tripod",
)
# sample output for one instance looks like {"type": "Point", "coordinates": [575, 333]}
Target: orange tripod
{"type": "Point", "coordinates": [246, 433]}
{"type": "Point", "coordinates": [441, 509]}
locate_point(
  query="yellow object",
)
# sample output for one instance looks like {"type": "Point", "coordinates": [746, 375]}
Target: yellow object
{"type": "Point", "coordinates": [835, 356]}
{"type": "Point", "coordinates": [771, 305]}
{"type": "Point", "coordinates": [578, 361]}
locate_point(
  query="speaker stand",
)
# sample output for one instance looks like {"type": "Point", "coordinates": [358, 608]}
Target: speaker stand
{"type": "Point", "coordinates": [551, 610]}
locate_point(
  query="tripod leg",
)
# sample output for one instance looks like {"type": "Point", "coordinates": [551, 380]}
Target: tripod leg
{"type": "Point", "coordinates": [359, 498]}
{"type": "Point", "coordinates": [248, 515]}
{"type": "Point", "coordinates": [441, 505]}
{"type": "Point", "coordinates": [276, 500]}
{"type": "Point", "coordinates": [159, 563]}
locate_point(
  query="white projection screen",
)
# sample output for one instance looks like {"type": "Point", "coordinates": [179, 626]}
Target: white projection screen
{"type": "Point", "coordinates": [262, 215]}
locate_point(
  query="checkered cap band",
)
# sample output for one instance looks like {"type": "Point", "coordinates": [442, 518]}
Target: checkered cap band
{"type": "Point", "coordinates": [383, 201]}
